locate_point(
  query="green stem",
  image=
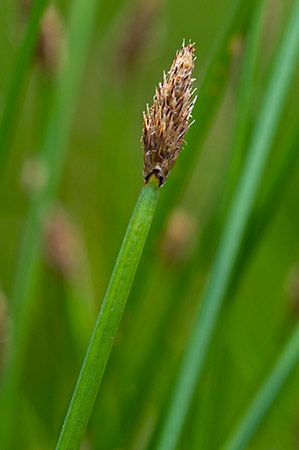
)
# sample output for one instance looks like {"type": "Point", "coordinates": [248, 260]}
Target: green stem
{"type": "Point", "coordinates": [238, 215]}
{"type": "Point", "coordinates": [108, 320]}
{"type": "Point", "coordinates": [266, 395]}
{"type": "Point", "coordinates": [17, 79]}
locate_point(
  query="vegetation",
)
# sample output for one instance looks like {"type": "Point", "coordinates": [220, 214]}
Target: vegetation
{"type": "Point", "coordinates": [206, 353]}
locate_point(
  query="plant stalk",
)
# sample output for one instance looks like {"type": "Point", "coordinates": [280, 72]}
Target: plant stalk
{"type": "Point", "coordinates": [108, 320]}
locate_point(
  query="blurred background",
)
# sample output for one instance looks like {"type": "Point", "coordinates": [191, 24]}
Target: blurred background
{"type": "Point", "coordinates": [70, 173]}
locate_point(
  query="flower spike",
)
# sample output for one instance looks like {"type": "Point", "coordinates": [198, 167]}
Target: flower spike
{"type": "Point", "coordinates": [167, 121]}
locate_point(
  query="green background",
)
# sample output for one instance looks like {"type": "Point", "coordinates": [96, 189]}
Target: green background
{"type": "Point", "coordinates": [100, 183]}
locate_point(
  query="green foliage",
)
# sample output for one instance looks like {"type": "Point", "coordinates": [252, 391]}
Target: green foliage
{"type": "Point", "coordinates": [17, 79]}
{"type": "Point", "coordinates": [265, 396]}
{"type": "Point", "coordinates": [241, 205]}
{"type": "Point", "coordinates": [73, 139]}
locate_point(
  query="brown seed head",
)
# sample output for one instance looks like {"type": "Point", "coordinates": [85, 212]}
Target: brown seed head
{"type": "Point", "coordinates": [167, 121]}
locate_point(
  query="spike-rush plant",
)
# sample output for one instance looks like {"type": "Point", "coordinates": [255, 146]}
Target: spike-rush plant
{"type": "Point", "coordinates": [165, 125]}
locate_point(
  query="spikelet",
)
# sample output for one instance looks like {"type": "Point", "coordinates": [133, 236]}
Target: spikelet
{"type": "Point", "coordinates": [167, 121]}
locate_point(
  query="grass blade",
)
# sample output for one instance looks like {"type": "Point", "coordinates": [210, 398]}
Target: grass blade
{"type": "Point", "coordinates": [265, 396]}
{"type": "Point", "coordinates": [247, 86]}
{"type": "Point", "coordinates": [238, 215]}
{"type": "Point", "coordinates": [267, 207]}
{"type": "Point", "coordinates": [80, 26]}
{"type": "Point", "coordinates": [17, 80]}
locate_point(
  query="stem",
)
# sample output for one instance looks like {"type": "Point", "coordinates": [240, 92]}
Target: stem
{"type": "Point", "coordinates": [108, 320]}
{"type": "Point", "coordinates": [266, 395]}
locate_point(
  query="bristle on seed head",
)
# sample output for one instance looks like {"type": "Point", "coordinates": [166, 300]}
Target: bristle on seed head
{"type": "Point", "coordinates": [167, 121]}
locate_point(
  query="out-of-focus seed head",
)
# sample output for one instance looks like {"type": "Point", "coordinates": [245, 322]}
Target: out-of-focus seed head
{"type": "Point", "coordinates": [62, 244]}
{"type": "Point", "coordinates": [34, 174]}
{"type": "Point", "coordinates": [167, 121]}
{"type": "Point", "coordinates": [6, 328]}
{"type": "Point", "coordinates": [178, 240]}
{"type": "Point", "coordinates": [51, 45]}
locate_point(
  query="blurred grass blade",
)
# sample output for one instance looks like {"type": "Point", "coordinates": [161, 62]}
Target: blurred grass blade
{"type": "Point", "coordinates": [238, 215]}
{"type": "Point", "coordinates": [108, 320]}
{"type": "Point", "coordinates": [267, 206]}
{"type": "Point", "coordinates": [261, 217]}
{"type": "Point", "coordinates": [212, 84]}
{"type": "Point", "coordinates": [246, 93]}
{"type": "Point", "coordinates": [265, 396]}
{"type": "Point", "coordinates": [80, 27]}
{"type": "Point", "coordinates": [17, 79]}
